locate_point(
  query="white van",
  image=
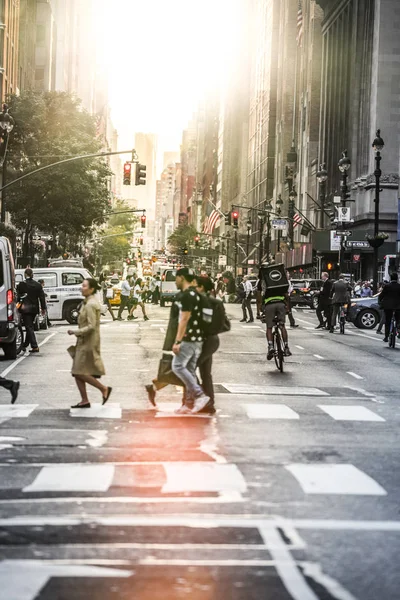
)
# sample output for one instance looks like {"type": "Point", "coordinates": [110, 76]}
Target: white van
{"type": "Point", "coordinates": [9, 317]}
{"type": "Point", "coordinates": [62, 287]}
{"type": "Point", "coordinates": [168, 289]}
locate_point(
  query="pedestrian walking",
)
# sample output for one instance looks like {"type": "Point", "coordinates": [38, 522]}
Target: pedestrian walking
{"type": "Point", "coordinates": [156, 291]}
{"type": "Point", "coordinates": [292, 321]}
{"type": "Point", "coordinates": [324, 310]}
{"type": "Point", "coordinates": [108, 294]}
{"type": "Point", "coordinates": [29, 295]}
{"type": "Point", "coordinates": [246, 300]}
{"type": "Point", "coordinates": [340, 294]}
{"type": "Point", "coordinates": [137, 300]}
{"type": "Point", "coordinates": [124, 297]}
{"type": "Point", "coordinates": [87, 366]}
{"type": "Point", "coordinates": [389, 300]}
{"type": "Point", "coordinates": [189, 342]}
{"type": "Point", "coordinates": [11, 386]}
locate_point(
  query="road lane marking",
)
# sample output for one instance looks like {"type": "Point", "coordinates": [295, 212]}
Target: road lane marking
{"type": "Point", "coordinates": [21, 411]}
{"type": "Point", "coordinates": [270, 411]}
{"type": "Point", "coordinates": [72, 478]}
{"type": "Point", "coordinates": [19, 360]}
{"type": "Point", "coordinates": [203, 477]}
{"type": "Point", "coordinates": [299, 347]}
{"type": "Point", "coordinates": [350, 413]}
{"type": "Point", "coordinates": [344, 479]}
{"type": "Point", "coordinates": [270, 390]}
{"type": "Point", "coordinates": [319, 356]}
{"type": "Point", "coordinates": [111, 410]}
{"type": "Point", "coordinates": [223, 498]}
{"type": "Point", "coordinates": [354, 375]}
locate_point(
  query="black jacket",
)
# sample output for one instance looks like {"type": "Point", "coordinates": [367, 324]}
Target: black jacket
{"type": "Point", "coordinates": [34, 295]}
{"type": "Point", "coordinates": [389, 298]}
{"type": "Point", "coordinates": [325, 293]}
{"type": "Point", "coordinates": [340, 292]}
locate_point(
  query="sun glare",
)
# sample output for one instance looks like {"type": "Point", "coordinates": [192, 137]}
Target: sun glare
{"type": "Point", "coordinates": [161, 56]}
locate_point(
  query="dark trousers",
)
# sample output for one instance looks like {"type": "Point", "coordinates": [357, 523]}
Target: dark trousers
{"type": "Point", "coordinates": [30, 337]}
{"type": "Point", "coordinates": [124, 302]}
{"type": "Point", "coordinates": [324, 311]}
{"type": "Point", "coordinates": [290, 315]}
{"type": "Point", "coordinates": [6, 383]}
{"type": "Point", "coordinates": [246, 305]}
{"type": "Point", "coordinates": [388, 317]}
{"type": "Point", "coordinates": [382, 320]}
{"type": "Point", "coordinates": [156, 295]}
{"type": "Point", "coordinates": [210, 346]}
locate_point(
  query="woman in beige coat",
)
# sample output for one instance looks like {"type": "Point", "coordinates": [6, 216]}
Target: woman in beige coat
{"type": "Point", "coordinates": [87, 364]}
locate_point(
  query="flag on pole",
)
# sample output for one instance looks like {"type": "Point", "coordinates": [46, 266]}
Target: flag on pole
{"type": "Point", "coordinates": [299, 22]}
{"type": "Point", "coordinates": [211, 220]}
{"type": "Point", "coordinates": [296, 220]}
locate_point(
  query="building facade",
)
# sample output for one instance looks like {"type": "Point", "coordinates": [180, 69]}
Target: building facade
{"type": "Point", "coordinates": [9, 42]}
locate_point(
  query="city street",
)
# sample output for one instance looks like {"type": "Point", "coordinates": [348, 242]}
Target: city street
{"type": "Point", "coordinates": [290, 492]}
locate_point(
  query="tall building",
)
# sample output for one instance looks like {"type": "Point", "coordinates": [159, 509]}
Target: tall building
{"type": "Point", "coordinates": [27, 44]}
{"type": "Point", "coordinates": [9, 40]}
{"type": "Point", "coordinates": [146, 148]}
{"type": "Point", "coordinates": [45, 47]}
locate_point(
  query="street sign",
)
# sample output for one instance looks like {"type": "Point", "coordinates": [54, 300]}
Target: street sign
{"type": "Point", "coordinates": [279, 224]}
{"type": "Point", "coordinates": [344, 233]}
{"type": "Point", "coordinates": [335, 241]}
{"type": "Point", "coordinates": [222, 260]}
{"type": "Point", "coordinates": [356, 257]}
{"type": "Point", "coordinates": [358, 244]}
{"type": "Point", "coordinates": [344, 214]}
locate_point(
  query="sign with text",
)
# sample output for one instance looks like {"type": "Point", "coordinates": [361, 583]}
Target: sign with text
{"type": "Point", "coordinates": [344, 214]}
{"type": "Point", "coordinates": [358, 244]}
{"type": "Point", "coordinates": [335, 241]}
{"type": "Point", "coordinates": [280, 224]}
{"type": "Point", "coordinates": [222, 260]}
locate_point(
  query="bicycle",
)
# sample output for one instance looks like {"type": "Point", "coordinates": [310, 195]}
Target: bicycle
{"type": "Point", "coordinates": [393, 331]}
{"type": "Point", "coordinates": [278, 345]}
{"type": "Point", "coordinates": [342, 317]}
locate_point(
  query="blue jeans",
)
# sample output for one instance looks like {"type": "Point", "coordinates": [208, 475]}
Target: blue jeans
{"type": "Point", "coordinates": [184, 366]}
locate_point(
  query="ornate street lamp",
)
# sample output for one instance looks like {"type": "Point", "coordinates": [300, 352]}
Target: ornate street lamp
{"type": "Point", "coordinates": [292, 206]}
{"type": "Point", "coordinates": [249, 226]}
{"type": "Point", "coordinates": [344, 165]}
{"type": "Point", "coordinates": [6, 127]}
{"type": "Point", "coordinates": [279, 204]}
{"type": "Point", "coordinates": [377, 145]}
{"type": "Point", "coordinates": [322, 176]}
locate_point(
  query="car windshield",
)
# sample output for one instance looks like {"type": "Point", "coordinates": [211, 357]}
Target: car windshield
{"type": "Point", "coordinates": [300, 283]}
{"type": "Point", "coordinates": [170, 275]}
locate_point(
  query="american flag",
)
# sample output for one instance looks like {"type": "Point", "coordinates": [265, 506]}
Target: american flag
{"type": "Point", "coordinates": [299, 22]}
{"type": "Point", "coordinates": [211, 221]}
{"type": "Point", "coordinates": [296, 220]}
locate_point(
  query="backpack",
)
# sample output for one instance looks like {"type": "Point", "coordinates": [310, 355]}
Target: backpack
{"type": "Point", "coordinates": [215, 320]}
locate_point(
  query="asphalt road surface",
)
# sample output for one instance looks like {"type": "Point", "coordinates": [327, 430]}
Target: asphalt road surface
{"type": "Point", "coordinates": [290, 492]}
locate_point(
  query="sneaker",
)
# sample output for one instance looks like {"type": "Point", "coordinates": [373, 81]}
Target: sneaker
{"type": "Point", "coordinates": [209, 409]}
{"type": "Point", "coordinates": [200, 403]}
{"type": "Point", "coordinates": [320, 326]}
{"type": "Point", "coordinates": [14, 391]}
{"type": "Point", "coordinates": [183, 410]}
{"type": "Point", "coordinates": [287, 352]}
{"type": "Point", "coordinates": [151, 394]}
{"type": "Point", "coordinates": [270, 354]}
{"type": "Point", "coordinates": [251, 321]}
{"type": "Point", "coordinates": [243, 321]}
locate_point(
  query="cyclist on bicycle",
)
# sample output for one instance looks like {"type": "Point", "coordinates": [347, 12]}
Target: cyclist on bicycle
{"type": "Point", "coordinates": [275, 306]}
{"type": "Point", "coordinates": [389, 300]}
{"type": "Point", "coordinates": [340, 295]}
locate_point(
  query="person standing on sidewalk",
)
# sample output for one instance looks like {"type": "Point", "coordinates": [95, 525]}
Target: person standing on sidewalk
{"type": "Point", "coordinates": [29, 294]}
{"type": "Point", "coordinates": [87, 366]}
{"type": "Point", "coordinates": [324, 309]}
{"type": "Point", "coordinates": [189, 342]}
{"type": "Point", "coordinates": [246, 300]}
{"type": "Point", "coordinates": [124, 297]}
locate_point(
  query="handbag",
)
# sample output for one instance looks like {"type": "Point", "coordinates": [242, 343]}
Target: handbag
{"type": "Point", "coordinates": [165, 373]}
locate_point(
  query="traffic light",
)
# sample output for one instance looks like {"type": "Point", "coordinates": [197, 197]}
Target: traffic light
{"type": "Point", "coordinates": [140, 177]}
{"type": "Point", "coordinates": [139, 255]}
{"type": "Point", "coordinates": [235, 218]}
{"type": "Point", "coordinates": [128, 261]}
{"type": "Point", "coordinates": [143, 221]}
{"type": "Point", "coordinates": [196, 241]}
{"type": "Point", "coordinates": [329, 266]}
{"type": "Point", "coordinates": [228, 218]}
{"type": "Point", "coordinates": [141, 240]}
{"type": "Point", "coordinates": [185, 251]}
{"type": "Point", "coordinates": [127, 173]}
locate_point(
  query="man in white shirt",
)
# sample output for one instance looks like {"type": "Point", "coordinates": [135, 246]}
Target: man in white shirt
{"type": "Point", "coordinates": [124, 298]}
{"type": "Point", "coordinates": [246, 301]}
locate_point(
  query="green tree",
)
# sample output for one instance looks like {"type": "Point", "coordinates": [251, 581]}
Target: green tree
{"type": "Point", "coordinates": [65, 199]}
{"type": "Point", "coordinates": [111, 247]}
{"type": "Point", "coordinates": [182, 236]}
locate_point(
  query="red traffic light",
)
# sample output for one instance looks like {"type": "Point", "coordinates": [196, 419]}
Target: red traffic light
{"type": "Point", "coordinates": [127, 174]}
{"type": "Point", "coordinates": [235, 214]}
{"type": "Point", "coordinates": [143, 221]}
{"type": "Point", "coordinates": [127, 167]}
{"type": "Point", "coordinates": [141, 241]}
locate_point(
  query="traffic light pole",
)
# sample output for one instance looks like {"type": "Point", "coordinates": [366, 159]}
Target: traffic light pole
{"type": "Point", "coordinates": [236, 252]}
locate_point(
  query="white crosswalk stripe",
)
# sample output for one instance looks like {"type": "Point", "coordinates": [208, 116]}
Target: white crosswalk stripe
{"type": "Point", "coordinates": [270, 411]}
{"type": "Point", "coordinates": [335, 479]}
{"type": "Point", "coordinates": [350, 413]}
{"type": "Point", "coordinates": [97, 411]}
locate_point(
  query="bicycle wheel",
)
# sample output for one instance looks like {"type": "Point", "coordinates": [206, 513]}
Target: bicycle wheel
{"type": "Point", "coordinates": [278, 345]}
{"type": "Point", "coordinates": [341, 324]}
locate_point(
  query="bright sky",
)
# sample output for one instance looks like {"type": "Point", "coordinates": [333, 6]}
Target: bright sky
{"type": "Point", "coordinates": [161, 54]}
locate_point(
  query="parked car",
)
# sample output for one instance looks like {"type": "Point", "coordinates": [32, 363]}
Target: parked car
{"type": "Point", "coordinates": [168, 287]}
{"type": "Point", "coordinates": [364, 312]}
{"type": "Point", "coordinates": [9, 317]}
{"type": "Point", "coordinates": [62, 287]}
{"type": "Point", "coordinates": [305, 292]}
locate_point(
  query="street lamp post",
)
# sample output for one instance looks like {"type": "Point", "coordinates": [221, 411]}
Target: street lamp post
{"type": "Point", "coordinates": [228, 238]}
{"type": "Point", "coordinates": [322, 176]}
{"type": "Point", "coordinates": [268, 210]}
{"type": "Point", "coordinates": [249, 225]}
{"type": "Point", "coordinates": [6, 126]}
{"type": "Point", "coordinates": [377, 145]}
{"type": "Point", "coordinates": [292, 200]}
{"type": "Point", "coordinates": [261, 244]}
{"type": "Point", "coordinates": [279, 204]}
{"type": "Point", "coordinates": [344, 165]}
